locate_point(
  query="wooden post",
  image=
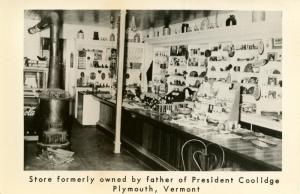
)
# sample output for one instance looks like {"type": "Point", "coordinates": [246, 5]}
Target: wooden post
{"type": "Point", "coordinates": [117, 142]}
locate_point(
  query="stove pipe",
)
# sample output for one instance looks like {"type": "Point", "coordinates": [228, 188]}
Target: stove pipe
{"type": "Point", "coordinates": [52, 21]}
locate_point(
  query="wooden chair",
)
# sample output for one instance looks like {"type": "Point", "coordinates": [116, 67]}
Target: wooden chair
{"type": "Point", "coordinates": [204, 157]}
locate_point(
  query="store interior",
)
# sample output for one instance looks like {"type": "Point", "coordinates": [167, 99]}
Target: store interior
{"type": "Point", "coordinates": [176, 90]}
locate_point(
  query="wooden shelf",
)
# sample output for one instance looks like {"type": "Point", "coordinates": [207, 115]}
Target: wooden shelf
{"type": "Point", "coordinates": [94, 43]}
{"type": "Point", "coordinates": [38, 69]}
{"type": "Point", "coordinates": [250, 74]}
{"type": "Point", "coordinates": [180, 66]}
{"type": "Point", "coordinates": [193, 78]}
{"type": "Point", "coordinates": [178, 76]}
{"type": "Point", "coordinates": [135, 44]}
{"type": "Point", "coordinates": [238, 32]}
{"type": "Point", "coordinates": [92, 68]}
{"type": "Point", "coordinates": [196, 67]}
{"type": "Point", "coordinates": [130, 69]}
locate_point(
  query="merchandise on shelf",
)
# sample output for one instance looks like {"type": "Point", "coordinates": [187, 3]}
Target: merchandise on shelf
{"type": "Point", "coordinates": [134, 60]}
{"type": "Point", "coordinates": [161, 57]}
{"type": "Point", "coordinates": [253, 61]}
{"type": "Point", "coordinates": [95, 64]}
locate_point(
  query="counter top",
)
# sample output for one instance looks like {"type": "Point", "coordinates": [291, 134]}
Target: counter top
{"type": "Point", "coordinates": [111, 101]}
{"type": "Point", "coordinates": [85, 92]}
{"type": "Point", "coordinates": [261, 121]}
{"type": "Point", "coordinates": [82, 86]}
{"type": "Point", "coordinates": [231, 142]}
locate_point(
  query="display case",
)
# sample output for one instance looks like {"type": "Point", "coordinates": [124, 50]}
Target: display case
{"type": "Point", "coordinates": [88, 109]}
{"type": "Point", "coordinates": [35, 79]}
{"type": "Point", "coordinates": [161, 56]}
{"type": "Point", "coordinates": [134, 62]}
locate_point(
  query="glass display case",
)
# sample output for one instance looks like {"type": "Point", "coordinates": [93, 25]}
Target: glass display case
{"type": "Point", "coordinates": [35, 79]}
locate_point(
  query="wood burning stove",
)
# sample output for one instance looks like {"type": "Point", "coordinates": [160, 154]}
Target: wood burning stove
{"type": "Point", "coordinates": [54, 118]}
{"type": "Point", "coordinates": [54, 102]}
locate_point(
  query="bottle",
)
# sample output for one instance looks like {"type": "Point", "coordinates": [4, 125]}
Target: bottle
{"type": "Point", "coordinates": [231, 20]}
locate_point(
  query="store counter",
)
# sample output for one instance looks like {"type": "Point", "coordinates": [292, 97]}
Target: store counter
{"type": "Point", "coordinates": [158, 142]}
{"type": "Point", "coordinates": [87, 108]}
{"type": "Point", "coordinates": [107, 113]}
{"type": "Point", "coordinates": [78, 89]}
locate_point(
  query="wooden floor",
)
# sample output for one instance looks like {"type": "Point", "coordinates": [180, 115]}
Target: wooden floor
{"type": "Point", "coordinates": [93, 151]}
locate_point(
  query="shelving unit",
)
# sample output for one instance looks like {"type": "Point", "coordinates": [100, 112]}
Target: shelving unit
{"type": "Point", "coordinates": [92, 58]}
{"type": "Point", "coordinates": [250, 44]}
{"type": "Point", "coordinates": [134, 64]}
{"type": "Point", "coordinates": [176, 69]}
{"type": "Point", "coordinates": [161, 56]}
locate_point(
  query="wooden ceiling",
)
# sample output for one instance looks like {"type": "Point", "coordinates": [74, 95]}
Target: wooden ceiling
{"type": "Point", "coordinates": [143, 18]}
{"type": "Point", "coordinates": [78, 17]}
{"type": "Point", "coordinates": [147, 18]}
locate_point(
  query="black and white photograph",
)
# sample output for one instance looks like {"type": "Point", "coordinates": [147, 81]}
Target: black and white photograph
{"type": "Point", "coordinates": [124, 97]}
{"type": "Point", "coordinates": [96, 97]}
